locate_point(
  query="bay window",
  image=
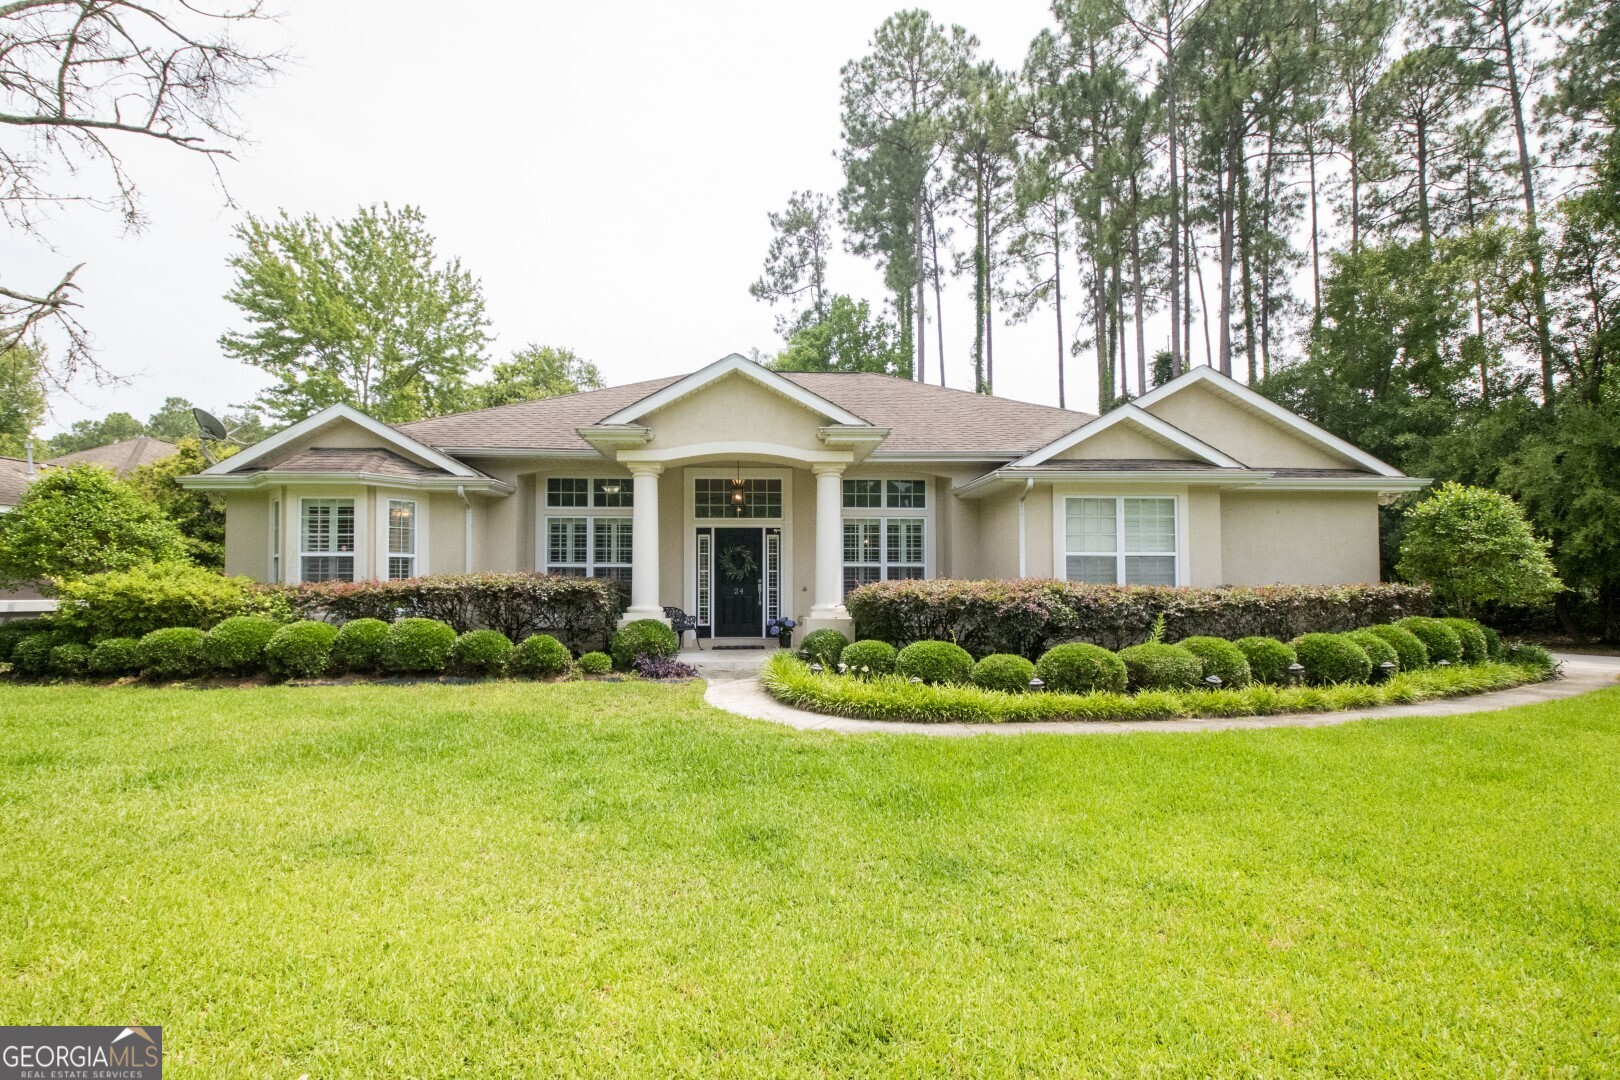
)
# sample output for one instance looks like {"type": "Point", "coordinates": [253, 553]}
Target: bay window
{"type": "Point", "coordinates": [1120, 540]}
{"type": "Point", "coordinates": [326, 540]}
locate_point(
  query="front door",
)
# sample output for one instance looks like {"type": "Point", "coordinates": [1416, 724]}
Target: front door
{"type": "Point", "coordinates": [738, 573]}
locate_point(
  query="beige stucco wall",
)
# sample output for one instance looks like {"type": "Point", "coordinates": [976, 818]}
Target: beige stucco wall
{"type": "Point", "coordinates": [1123, 440]}
{"type": "Point", "coordinates": [734, 409]}
{"type": "Point", "coordinates": [1254, 440]}
{"type": "Point", "coordinates": [446, 534]}
{"type": "Point", "coordinates": [1299, 537]}
{"type": "Point", "coordinates": [1205, 550]}
{"type": "Point", "coordinates": [247, 535]}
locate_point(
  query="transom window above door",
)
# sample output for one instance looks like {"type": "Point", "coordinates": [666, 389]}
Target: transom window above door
{"type": "Point", "coordinates": [712, 498]}
{"type": "Point", "coordinates": [1114, 540]}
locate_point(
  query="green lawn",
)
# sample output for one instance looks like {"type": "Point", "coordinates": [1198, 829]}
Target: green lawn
{"type": "Point", "coordinates": [515, 878]}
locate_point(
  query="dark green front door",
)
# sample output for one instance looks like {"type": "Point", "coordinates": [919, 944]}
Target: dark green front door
{"type": "Point", "coordinates": [738, 574]}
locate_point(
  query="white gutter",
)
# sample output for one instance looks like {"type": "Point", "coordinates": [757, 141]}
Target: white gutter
{"type": "Point", "coordinates": [466, 540]}
{"type": "Point", "coordinates": [29, 444]}
{"type": "Point", "coordinates": [1023, 542]}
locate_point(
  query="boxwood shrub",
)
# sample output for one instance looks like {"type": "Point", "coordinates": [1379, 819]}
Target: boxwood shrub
{"type": "Point", "coordinates": [934, 662]}
{"type": "Point", "coordinates": [824, 646]}
{"type": "Point", "coordinates": [644, 637]}
{"type": "Point", "coordinates": [116, 656]}
{"type": "Point", "coordinates": [31, 656]}
{"type": "Point", "coordinates": [1269, 659]}
{"type": "Point", "coordinates": [418, 647]}
{"type": "Point", "coordinates": [1494, 649]}
{"type": "Point", "coordinates": [595, 663]}
{"type": "Point", "coordinates": [236, 646]}
{"type": "Point", "coordinates": [13, 632]}
{"type": "Point", "coordinates": [1078, 668]}
{"type": "Point", "coordinates": [1475, 648]}
{"type": "Point", "coordinates": [1440, 640]}
{"type": "Point", "coordinates": [1221, 658]}
{"type": "Point", "coordinates": [538, 656]}
{"type": "Point", "coordinates": [1154, 666]}
{"type": "Point", "coordinates": [71, 659]}
{"type": "Point", "coordinates": [358, 646]}
{"type": "Point", "coordinates": [1410, 652]}
{"type": "Point", "coordinates": [481, 652]}
{"type": "Point", "coordinates": [1003, 671]}
{"type": "Point", "coordinates": [300, 650]}
{"type": "Point", "coordinates": [1330, 659]}
{"type": "Point", "coordinates": [1378, 652]}
{"type": "Point", "coordinates": [175, 652]}
{"type": "Point", "coordinates": [875, 657]}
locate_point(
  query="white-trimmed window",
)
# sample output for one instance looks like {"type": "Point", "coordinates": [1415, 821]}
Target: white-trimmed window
{"type": "Point", "coordinates": [1120, 540]}
{"type": "Point", "coordinates": [326, 540]}
{"type": "Point", "coordinates": [879, 543]}
{"type": "Point", "coordinates": [401, 539]}
{"type": "Point", "coordinates": [594, 540]}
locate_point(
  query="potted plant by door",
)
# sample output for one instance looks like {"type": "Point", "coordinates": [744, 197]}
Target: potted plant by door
{"type": "Point", "coordinates": [782, 630]}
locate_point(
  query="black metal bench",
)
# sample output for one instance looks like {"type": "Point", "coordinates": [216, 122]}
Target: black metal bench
{"type": "Point", "coordinates": [681, 622]}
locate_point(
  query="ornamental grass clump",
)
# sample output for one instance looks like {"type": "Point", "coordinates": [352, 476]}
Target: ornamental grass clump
{"type": "Point", "coordinates": [824, 646]}
{"type": "Point", "coordinates": [1440, 640]}
{"type": "Point", "coordinates": [1003, 671]}
{"type": "Point", "coordinates": [594, 663]}
{"type": "Point", "coordinates": [1378, 651]}
{"type": "Point", "coordinates": [1332, 659]}
{"type": "Point", "coordinates": [1269, 659]}
{"type": "Point", "coordinates": [175, 652]}
{"type": "Point", "coordinates": [358, 647]}
{"type": "Point", "coordinates": [644, 637]}
{"type": "Point", "coordinates": [1410, 652]}
{"type": "Point", "coordinates": [418, 647]}
{"type": "Point", "coordinates": [868, 658]}
{"type": "Point", "coordinates": [1078, 668]}
{"type": "Point", "coordinates": [1155, 666]}
{"type": "Point", "coordinates": [236, 645]}
{"type": "Point", "coordinates": [116, 656]}
{"type": "Point", "coordinates": [300, 650]}
{"type": "Point", "coordinates": [538, 656]}
{"type": "Point", "coordinates": [481, 652]}
{"type": "Point", "coordinates": [934, 662]}
{"type": "Point", "coordinates": [1475, 648]}
{"type": "Point", "coordinates": [1222, 659]}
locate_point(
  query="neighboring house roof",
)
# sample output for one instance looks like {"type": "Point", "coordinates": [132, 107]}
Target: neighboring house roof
{"type": "Point", "coordinates": [344, 459]}
{"type": "Point", "coordinates": [13, 479]}
{"type": "Point", "coordinates": [122, 457]}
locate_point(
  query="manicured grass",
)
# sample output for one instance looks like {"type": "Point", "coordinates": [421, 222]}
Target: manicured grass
{"type": "Point", "coordinates": [892, 697]}
{"type": "Point", "coordinates": [614, 878]}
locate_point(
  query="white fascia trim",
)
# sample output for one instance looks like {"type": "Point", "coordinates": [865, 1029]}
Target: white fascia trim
{"type": "Point", "coordinates": [1253, 398]}
{"type": "Point", "coordinates": [1133, 413]}
{"type": "Point", "coordinates": [943, 455]}
{"type": "Point", "coordinates": [1349, 483]}
{"type": "Point", "coordinates": [326, 416]}
{"type": "Point", "coordinates": [983, 485]}
{"type": "Point", "coordinates": [727, 365]}
{"type": "Point", "coordinates": [252, 481]}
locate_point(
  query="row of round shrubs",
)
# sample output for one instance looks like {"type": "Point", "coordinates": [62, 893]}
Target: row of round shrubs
{"type": "Point", "coordinates": [1357, 656]}
{"type": "Point", "coordinates": [250, 644]}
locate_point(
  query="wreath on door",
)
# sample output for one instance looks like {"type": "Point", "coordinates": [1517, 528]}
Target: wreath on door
{"type": "Point", "coordinates": [738, 564]}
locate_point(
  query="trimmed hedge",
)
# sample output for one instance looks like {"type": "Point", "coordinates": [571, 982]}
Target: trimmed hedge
{"type": "Point", "coordinates": [1440, 640]}
{"type": "Point", "coordinates": [481, 652]}
{"type": "Point", "coordinates": [824, 646]}
{"type": "Point", "coordinates": [1154, 666]}
{"type": "Point", "coordinates": [300, 650]}
{"type": "Point", "coordinates": [71, 659]}
{"type": "Point", "coordinates": [418, 647]}
{"type": "Point", "coordinates": [162, 596]}
{"type": "Point", "coordinates": [31, 656]}
{"type": "Point", "coordinates": [1476, 649]}
{"type": "Point", "coordinates": [358, 646]}
{"type": "Point", "coordinates": [1409, 651]}
{"type": "Point", "coordinates": [877, 657]}
{"type": "Point", "coordinates": [1077, 668]}
{"type": "Point", "coordinates": [1006, 672]}
{"type": "Point", "coordinates": [1269, 659]}
{"type": "Point", "coordinates": [1026, 616]}
{"type": "Point", "coordinates": [644, 637]}
{"type": "Point", "coordinates": [934, 662]}
{"type": "Point", "coordinates": [116, 656]}
{"type": "Point", "coordinates": [1377, 649]}
{"type": "Point", "coordinates": [538, 656]}
{"type": "Point", "coordinates": [595, 663]}
{"type": "Point", "coordinates": [13, 632]}
{"type": "Point", "coordinates": [236, 646]}
{"type": "Point", "coordinates": [1221, 658]}
{"type": "Point", "coordinates": [1330, 659]}
{"type": "Point", "coordinates": [174, 652]}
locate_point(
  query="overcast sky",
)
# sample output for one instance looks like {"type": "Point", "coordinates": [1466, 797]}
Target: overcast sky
{"type": "Point", "coordinates": [604, 169]}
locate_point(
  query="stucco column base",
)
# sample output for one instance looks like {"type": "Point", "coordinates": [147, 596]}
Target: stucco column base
{"type": "Point", "coordinates": [829, 619]}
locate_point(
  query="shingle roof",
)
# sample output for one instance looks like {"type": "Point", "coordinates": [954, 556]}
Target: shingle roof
{"type": "Point", "coordinates": [1318, 474]}
{"type": "Point", "coordinates": [122, 457]}
{"type": "Point", "coordinates": [13, 479]}
{"type": "Point", "coordinates": [344, 459]}
{"type": "Point", "coordinates": [920, 418]}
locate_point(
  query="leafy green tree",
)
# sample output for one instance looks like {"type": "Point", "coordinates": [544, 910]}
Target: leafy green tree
{"type": "Point", "coordinates": [1474, 546]}
{"type": "Point", "coordinates": [796, 262]}
{"type": "Point", "coordinates": [82, 520]}
{"type": "Point", "coordinates": [198, 515]}
{"type": "Point", "coordinates": [536, 371]}
{"type": "Point", "coordinates": [22, 396]}
{"type": "Point", "coordinates": [89, 434]}
{"type": "Point", "coordinates": [361, 311]}
{"type": "Point", "coordinates": [850, 338]}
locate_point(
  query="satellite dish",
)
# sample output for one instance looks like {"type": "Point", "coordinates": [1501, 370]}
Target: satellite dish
{"type": "Point", "coordinates": [210, 425]}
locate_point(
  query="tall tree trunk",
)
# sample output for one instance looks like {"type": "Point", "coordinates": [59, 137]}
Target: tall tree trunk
{"type": "Point", "coordinates": [1138, 303]}
{"type": "Point", "coordinates": [979, 380]}
{"type": "Point", "coordinates": [1203, 302]}
{"type": "Point", "coordinates": [1316, 236]}
{"type": "Point", "coordinates": [1057, 287]}
{"type": "Point", "coordinates": [922, 306]}
{"type": "Point", "coordinates": [1177, 363]}
{"type": "Point", "coordinates": [1246, 245]}
{"type": "Point", "coordinates": [1353, 140]}
{"type": "Point", "coordinates": [1227, 208]}
{"type": "Point", "coordinates": [939, 306]}
{"type": "Point", "coordinates": [1266, 267]}
{"type": "Point", "coordinates": [1425, 233]}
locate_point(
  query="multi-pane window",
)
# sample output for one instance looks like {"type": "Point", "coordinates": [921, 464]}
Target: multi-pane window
{"type": "Point", "coordinates": [893, 494]}
{"type": "Point", "coordinates": [879, 546]}
{"type": "Point", "coordinates": [905, 494]}
{"type": "Point", "coordinates": [568, 491]}
{"type": "Point", "coordinates": [585, 544]}
{"type": "Point", "coordinates": [713, 498]}
{"type": "Point", "coordinates": [401, 539]}
{"type": "Point", "coordinates": [863, 494]}
{"type": "Point", "coordinates": [612, 493]}
{"type": "Point", "coordinates": [1112, 540]}
{"type": "Point", "coordinates": [326, 540]}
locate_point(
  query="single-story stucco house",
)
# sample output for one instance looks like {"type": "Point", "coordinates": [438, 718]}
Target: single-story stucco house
{"type": "Point", "coordinates": [739, 494]}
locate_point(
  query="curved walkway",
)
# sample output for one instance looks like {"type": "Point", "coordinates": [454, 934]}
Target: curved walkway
{"type": "Point", "coordinates": [1582, 674]}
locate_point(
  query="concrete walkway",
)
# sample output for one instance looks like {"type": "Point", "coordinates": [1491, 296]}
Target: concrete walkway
{"type": "Point", "coordinates": [744, 696]}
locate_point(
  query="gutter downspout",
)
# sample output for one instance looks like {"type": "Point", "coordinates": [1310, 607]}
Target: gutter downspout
{"type": "Point", "coordinates": [29, 444]}
{"type": "Point", "coordinates": [466, 541]}
{"type": "Point", "coordinates": [1023, 541]}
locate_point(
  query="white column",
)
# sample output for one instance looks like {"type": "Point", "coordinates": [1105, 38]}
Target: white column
{"type": "Point", "coordinates": [644, 544]}
{"type": "Point", "coordinates": [828, 600]}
